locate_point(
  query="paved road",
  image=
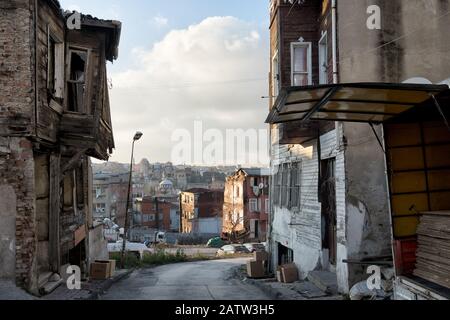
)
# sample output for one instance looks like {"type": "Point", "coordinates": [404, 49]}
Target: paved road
{"type": "Point", "coordinates": [206, 280]}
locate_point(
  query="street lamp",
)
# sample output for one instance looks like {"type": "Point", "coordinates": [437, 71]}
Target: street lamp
{"type": "Point", "coordinates": [137, 136]}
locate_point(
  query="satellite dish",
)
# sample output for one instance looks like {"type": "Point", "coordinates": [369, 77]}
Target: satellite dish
{"type": "Point", "coordinates": [261, 186]}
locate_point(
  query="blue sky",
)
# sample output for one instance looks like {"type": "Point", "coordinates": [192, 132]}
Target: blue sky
{"type": "Point", "coordinates": [168, 50]}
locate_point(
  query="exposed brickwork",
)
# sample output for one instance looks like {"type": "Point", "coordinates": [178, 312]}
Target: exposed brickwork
{"type": "Point", "coordinates": [17, 163]}
{"type": "Point", "coordinates": [16, 67]}
{"type": "Point", "coordinates": [17, 118]}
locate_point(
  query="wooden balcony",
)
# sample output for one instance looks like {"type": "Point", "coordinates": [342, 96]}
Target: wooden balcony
{"type": "Point", "coordinates": [82, 131]}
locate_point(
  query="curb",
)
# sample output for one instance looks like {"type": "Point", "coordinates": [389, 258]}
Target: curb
{"type": "Point", "coordinates": [270, 292]}
{"type": "Point", "coordinates": [95, 295]}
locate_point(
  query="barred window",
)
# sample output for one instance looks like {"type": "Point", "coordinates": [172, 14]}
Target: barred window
{"type": "Point", "coordinates": [284, 185]}
{"type": "Point", "coordinates": [295, 185]}
{"type": "Point", "coordinates": [276, 186]}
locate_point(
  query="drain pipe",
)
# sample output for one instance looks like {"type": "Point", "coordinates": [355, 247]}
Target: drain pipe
{"type": "Point", "coordinates": [36, 61]}
{"type": "Point", "coordinates": [334, 40]}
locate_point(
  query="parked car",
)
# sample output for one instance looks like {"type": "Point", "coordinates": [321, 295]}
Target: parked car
{"type": "Point", "coordinates": [232, 249]}
{"type": "Point", "coordinates": [253, 247]}
{"type": "Point", "coordinates": [137, 248]}
{"type": "Point", "coordinates": [215, 243]}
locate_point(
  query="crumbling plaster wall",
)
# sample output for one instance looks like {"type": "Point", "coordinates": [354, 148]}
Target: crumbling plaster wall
{"type": "Point", "coordinates": [403, 49]}
{"type": "Point", "coordinates": [18, 215]}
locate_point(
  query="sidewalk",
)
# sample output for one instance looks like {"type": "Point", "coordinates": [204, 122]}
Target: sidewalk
{"type": "Point", "coordinates": [9, 291]}
{"type": "Point", "coordinates": [89, 290]}
{"type": "Point", "coordinates": [300, 290]}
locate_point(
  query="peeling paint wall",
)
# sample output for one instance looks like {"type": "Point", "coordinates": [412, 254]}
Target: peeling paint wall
{"type": "Point", "coordinates": [301, 230]}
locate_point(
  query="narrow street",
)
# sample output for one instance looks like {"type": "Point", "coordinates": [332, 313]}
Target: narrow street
{"type": "Point", "coordinates": [206, 280]}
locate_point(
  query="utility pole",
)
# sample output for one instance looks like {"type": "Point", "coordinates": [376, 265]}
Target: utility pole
{"type": "Point", "coordinates": [137, 136]}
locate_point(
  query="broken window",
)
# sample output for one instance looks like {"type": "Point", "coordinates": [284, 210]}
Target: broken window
{"type": "Point", "coordinates": [77, 81]}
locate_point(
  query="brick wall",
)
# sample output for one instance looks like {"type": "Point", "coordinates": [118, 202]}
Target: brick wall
{"type": "Point", "coordinates": [17, 119]}
{"type": "Point", "coordinates": [16, 68]}
{"type": "Point", "coordinates": [17, 172]}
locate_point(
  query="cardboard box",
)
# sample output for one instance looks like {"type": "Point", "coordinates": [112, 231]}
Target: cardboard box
{"type": "Point", "coordinates": [100, 270]}
{"type": "Point", "coordinates": [261, 256]}
{"type": "Point", "coordinates": [279, 276]}
{"type": "Point", "coordinates": [112, 266]}
{"type": "Point", "coordinates": [255, 269]}
{"type": "Point", "coordinates": [289, 273]}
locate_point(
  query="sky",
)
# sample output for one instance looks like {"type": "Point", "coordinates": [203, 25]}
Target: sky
{"type": "Point", "coordinates": [183, 61]}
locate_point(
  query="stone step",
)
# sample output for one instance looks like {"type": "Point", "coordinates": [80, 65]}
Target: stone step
{"type": "Point", "coordinates": [51, 286]}
{"type": "Point", "coordinates": [324, 280]}
{"type": "Point", "coordinates": [44, 278]}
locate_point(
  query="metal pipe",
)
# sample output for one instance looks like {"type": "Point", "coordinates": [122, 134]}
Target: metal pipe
{"type": "Point", "coordinates": [36, 88]}
{"type": "Point", "coordinates": [334, 40]}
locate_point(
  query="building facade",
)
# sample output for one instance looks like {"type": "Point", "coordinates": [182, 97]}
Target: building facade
{"type": "Point", "coordinates": [156, 214]}
{"type": "Point", "coordinates": [246, 205]}
{"type": "Point", "coordinates": [54, 115]}
{"type": "Point", "coordinates": [109, 197]}
{"type": "Point", "coordinates": [329, 196]}
{"type": "Point", "coordinates": [199, 204]}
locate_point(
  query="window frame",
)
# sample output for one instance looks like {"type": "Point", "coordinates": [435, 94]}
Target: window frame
{"type": "Point", "coordinates": [70, 50]}
{"type": "Point", "coordinates": [323, 43]}
{"type": "Point", "coordinates": [253, 204]}
{"type": "Point", "coordinates": [59, 80]}
{"type": "Point", "coordinates": [275, 76]}
{"type": "Point", "coordinates": [308, 45]}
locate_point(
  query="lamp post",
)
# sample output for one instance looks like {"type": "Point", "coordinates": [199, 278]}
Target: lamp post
{"type": "Point", "coordinates": [137, 136]}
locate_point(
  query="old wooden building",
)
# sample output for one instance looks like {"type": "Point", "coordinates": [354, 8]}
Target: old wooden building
{"type": "Point", "coordinates": [54, 116]}
{"type": "Point", "coordinates": [339, 70]}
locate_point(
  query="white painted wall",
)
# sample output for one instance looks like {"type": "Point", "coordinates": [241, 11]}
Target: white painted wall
{"type": "Point", "coordinates": [207, 226]}
{"type": "Point", "coordinates": [300, 230]}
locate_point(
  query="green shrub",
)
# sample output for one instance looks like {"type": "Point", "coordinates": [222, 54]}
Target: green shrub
{"type": "Point", "coordinates": [132, 260]}
{"type": "Point", "coordinates": [161, 257]}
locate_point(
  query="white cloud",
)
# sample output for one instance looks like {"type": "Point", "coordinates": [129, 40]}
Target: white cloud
{"type": "Point", "coordinates": [159, 21]}
{"type": "Point", "coordinates": [213, 71]}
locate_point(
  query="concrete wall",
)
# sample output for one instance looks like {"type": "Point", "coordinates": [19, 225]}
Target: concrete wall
{"type": "Point", "coordinates": [98, 246]}
{"type": "Point", "coordinates": [405, 49]}
{"type": "Point", "coordinates": [207, 226]}
{"type": "Point", "coordinates": [417, 33]}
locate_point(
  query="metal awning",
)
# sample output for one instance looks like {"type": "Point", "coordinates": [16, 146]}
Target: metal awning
{"type": "Point", "coordinates": [354, 102]}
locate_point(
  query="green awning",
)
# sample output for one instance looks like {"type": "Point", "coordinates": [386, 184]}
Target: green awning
{"type": "Point", "coordinates": [354, 102]}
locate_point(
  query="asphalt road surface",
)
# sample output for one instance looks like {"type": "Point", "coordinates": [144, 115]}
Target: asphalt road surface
{"type": "Point", "coordinates": [205, 280]}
